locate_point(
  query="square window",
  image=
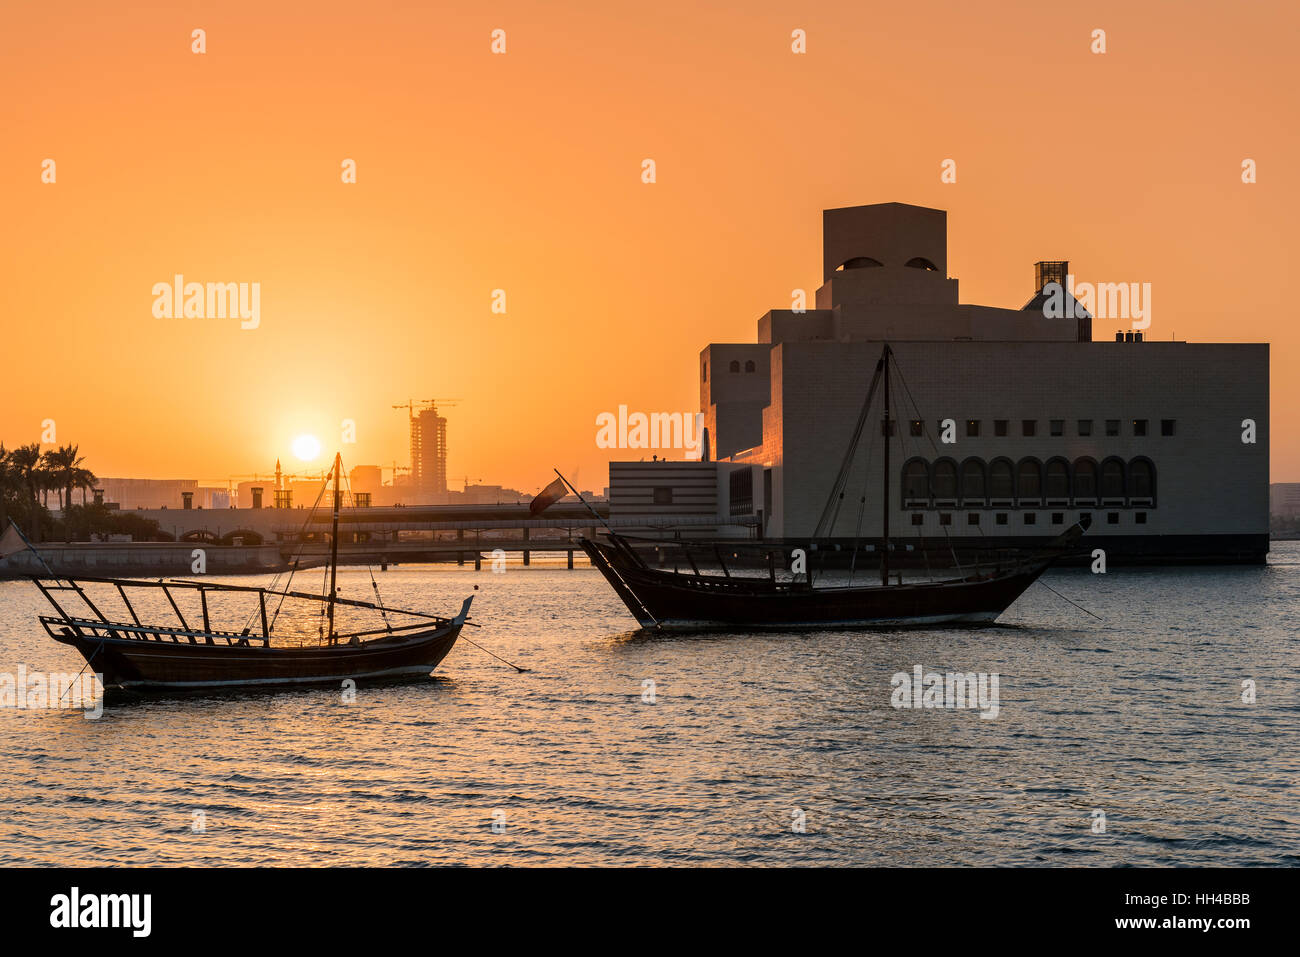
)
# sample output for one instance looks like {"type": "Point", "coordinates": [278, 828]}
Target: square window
{"type": "Point", "coordinates": [1058, 518]}
{"type": "Point", "coordinates": [917, 518]}
{"type": "Point", "coordinates": [1058, 427]}
{"type": "Point", "coordinates": [973, 518]}
{"type": "Point", "coordinates": [663, 496]}
{"type": "Point", "coordinates": [1139, 426]}
{"type": "Point", "coordinates": [918, 427]}
{"type": "Point", "coordinates": [999, 427]}
{"type": "Point", "coordinates": [945, 518]}
{"type": "Point", "coordinates": [1112, 427]}
{"type": "Point", "coordinates": [1085, 426]}
{"type": "Point", "coordinates": [1001, 518]}
{"type": "Point", "coordinates": [1112, 518]}
{"type": "Point", "coordinates": [1167, 426]}
{"type": "Point", "coordinates": [1140, 518]}
{"type": "Point", "coordinates": [972, 428]}
{"type": "Point", "coordinates": [1031, 518]}
{"type": "Point", "coordinates": [1029, 427]}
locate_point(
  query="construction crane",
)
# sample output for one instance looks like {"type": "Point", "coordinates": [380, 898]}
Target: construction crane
{"type": "Point", "coordinates": [409, 405]}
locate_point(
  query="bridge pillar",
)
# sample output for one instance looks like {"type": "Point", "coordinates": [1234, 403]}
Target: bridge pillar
{"type": "Point", "coordinates": [570, 559]}
{"type": "Point", "coordinates": [527, 554]}
{"type": "Point", "coordinates": [478, 562]}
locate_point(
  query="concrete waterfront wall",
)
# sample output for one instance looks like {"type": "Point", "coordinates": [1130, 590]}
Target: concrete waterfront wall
{"type": "Point", "coordinates": [141, 559]}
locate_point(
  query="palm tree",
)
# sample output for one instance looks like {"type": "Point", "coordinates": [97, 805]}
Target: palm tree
{"type": "Point", "coordinates": [64, 463]}
{"type": "Point", "coordinates": [26, 461]}
{"type": "Point", "coordinates": [85, 480]}
{"type": "Point", "coordinates": [48, 481]}
{"type": "Point", "coordinates": [9, 487]}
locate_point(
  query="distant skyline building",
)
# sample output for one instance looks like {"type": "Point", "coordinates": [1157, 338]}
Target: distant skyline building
{"type": "Point", "coordinates": [429, 455]}
{"type": "Point", "coordinates": [1284, 499]}
{"type": "Point", "coordinates": [366, 479]}
{"type": "Point", "coordinates": [134, 493]}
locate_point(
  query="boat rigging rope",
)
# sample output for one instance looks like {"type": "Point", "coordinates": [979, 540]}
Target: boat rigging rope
{"type": "Point", "coordinates": [496, 656]}
{"type": "Point", "coordinates": [370, 569]}
{"type": "Point", "coordinates": [917, 410]}
{"type": "Point", "coordinates": [862, 506]}
{"type": "Point", "coordinates": [831, 513]}
{"type": "Point", "coordinates": [842, 477]}
{"type": "Point", "coordinates": [1038, 581]}
{"type": "Point", "coordinates": [275, 580]}
{"type": "Point", "coordinates": [1074, 603]}
{"type": "Point", "coordinates": [296, 558]}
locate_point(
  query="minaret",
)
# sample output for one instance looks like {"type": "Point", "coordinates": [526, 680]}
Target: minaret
{"type": "Point", "coordinates": [279, 484]}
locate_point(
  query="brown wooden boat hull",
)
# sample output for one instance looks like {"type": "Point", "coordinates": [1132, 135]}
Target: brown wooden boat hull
{"type": "Point", "coordinates": [150, 664]}
{"type": "Point", "coordinates": [679, 601]}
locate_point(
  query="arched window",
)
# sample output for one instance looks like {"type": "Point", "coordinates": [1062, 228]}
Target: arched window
{"type": "Point", "coordinates": [1002, 483]}
{"type": "Point", "coordinates": [943, 483]}
{"type": "Point", "coordinates": [1029, 480]}
{"type": "Point", "coordinates": [1056, 481]}
{"type": "Point", "coordinates": [749, 365]}
{"type": "Point", "coordinates": [1112, 479]}
{"type": "Point", "coordinates": [734, 366]}
{"type": "Point", "coordinates": [916, 482]}
{"type": "Point", "coordinates": [1085, 480]}
{"type": "Point", "coordinates": [973, 485]}
{"type": "Point", "coordinates": [921, 263]}
{"type": "Point", "coordinates": [1142, 479]}
{"type": "Point", "coordinates": [859, 262]}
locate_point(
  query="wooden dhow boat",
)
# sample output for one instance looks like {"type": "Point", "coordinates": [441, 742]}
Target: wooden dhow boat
{"type": "Point", "coordinates": [695, 599]}
{"type": "Point", "coordinates": [134, 653]}
{"type": "Point", "coordinates": [701, 591]}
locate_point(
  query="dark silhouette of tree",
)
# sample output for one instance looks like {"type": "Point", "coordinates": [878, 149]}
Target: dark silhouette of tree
{"type": "Point", "coordinates": [26, 459]}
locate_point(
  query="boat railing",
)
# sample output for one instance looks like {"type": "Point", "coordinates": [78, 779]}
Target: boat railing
{"type": "Point", "coordinates": [766, 560]}
{"type": "Point", "coordinates": [90, 628]}
{"type": "Point", "coordinates": [100, 626]}
{"type": "Point", "coordinates": [96, 630]}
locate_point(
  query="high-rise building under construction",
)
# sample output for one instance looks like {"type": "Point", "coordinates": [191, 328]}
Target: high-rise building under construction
{"type": "Point", "coordinates": [429, 455]}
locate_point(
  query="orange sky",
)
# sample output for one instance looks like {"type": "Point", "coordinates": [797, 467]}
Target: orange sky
{"type": "Point", "coordinates": [522, 172]}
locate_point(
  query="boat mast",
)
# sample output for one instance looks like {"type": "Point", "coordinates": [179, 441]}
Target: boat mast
{"type": "Point", "coordinates": [334, 545]}
{"type": "Point", "coordinates": [884, 509]}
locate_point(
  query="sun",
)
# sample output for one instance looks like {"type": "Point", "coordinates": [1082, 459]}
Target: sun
{"type": "Point", "coordinates": [307, 448]}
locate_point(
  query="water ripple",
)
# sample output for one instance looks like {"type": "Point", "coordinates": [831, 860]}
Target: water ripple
{"type": "Point", "coordinates": [757, 749]}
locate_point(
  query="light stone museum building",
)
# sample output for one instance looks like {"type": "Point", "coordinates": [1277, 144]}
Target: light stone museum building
{"type": "Point", "coordinates": [1161, 445]}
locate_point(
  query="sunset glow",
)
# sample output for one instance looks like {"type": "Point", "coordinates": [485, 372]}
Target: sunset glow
{"type": "Point", "coordinates": [306, 448]}
{"type": "Point", "coordinates": [521, 172]}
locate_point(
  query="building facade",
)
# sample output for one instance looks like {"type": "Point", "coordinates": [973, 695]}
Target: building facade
{"type": "Point", "coordinates": [1008, 424]}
